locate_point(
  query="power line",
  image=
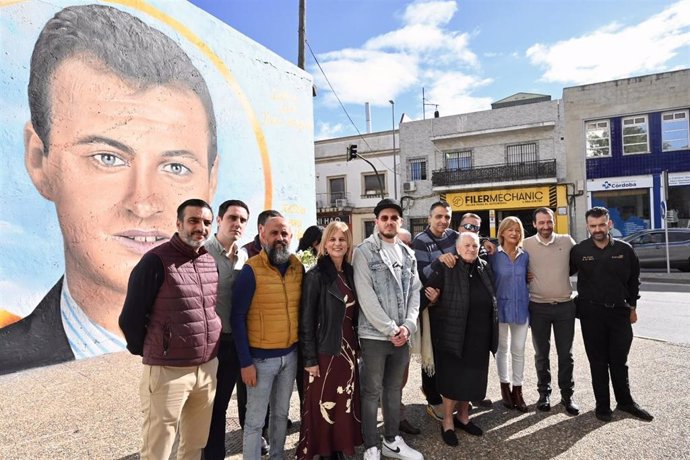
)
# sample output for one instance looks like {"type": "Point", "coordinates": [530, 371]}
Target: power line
{"type": "Point", "coordinates": [342, 106]}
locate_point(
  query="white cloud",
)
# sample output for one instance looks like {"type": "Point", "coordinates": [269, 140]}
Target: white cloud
{"type": "Point", "coordinates": [10, 229]}
{"type": "Point", "coordinates": [325, 130]}
{"type": "Point", "coordinates": [393, 63]}
{"type": "Point", "coordinates": [617, 51]}
{"type": "Point", "coordinates": [18, 298]}
{"type": "Point", "coordinates": [452, 90]}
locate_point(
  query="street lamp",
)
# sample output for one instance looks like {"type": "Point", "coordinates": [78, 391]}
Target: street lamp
{"type": "Point", "coordinates": [395, 167]}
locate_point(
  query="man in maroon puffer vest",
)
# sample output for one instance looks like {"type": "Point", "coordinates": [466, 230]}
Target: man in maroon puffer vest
{"type": "Point", "coordinates": [169, 318]}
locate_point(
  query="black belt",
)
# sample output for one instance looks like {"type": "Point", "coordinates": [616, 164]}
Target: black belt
{"type": "Point", "coordinates": [552, 303]}
{"type": "Point", "coordinates": [609, 305]}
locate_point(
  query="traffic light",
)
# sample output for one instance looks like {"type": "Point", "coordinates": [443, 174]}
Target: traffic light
{"type": "Point", "coordinates": [352, 152]}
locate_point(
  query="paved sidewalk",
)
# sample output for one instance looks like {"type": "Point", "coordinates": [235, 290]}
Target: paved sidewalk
{"type": "Point", "coordinates": [90, 410]}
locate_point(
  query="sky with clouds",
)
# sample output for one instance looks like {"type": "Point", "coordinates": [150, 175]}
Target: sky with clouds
{"type": "Point", "coordinates": [465, 54]}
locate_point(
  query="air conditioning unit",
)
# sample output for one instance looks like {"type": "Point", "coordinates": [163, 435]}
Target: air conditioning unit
{"type": "Point", "coordinates": [372, 192]}
{"type": "Point", "coordinates": [341, 202]}
{"type": "Point", "coordinates": [409, 186]}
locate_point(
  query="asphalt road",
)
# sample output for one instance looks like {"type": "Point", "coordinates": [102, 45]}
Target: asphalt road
{"type": "Point", "coordinates": [663, 312]}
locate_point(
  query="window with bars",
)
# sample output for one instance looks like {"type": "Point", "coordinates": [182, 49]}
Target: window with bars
{"type": "Point", "coordinates": [674, 131]}
{"type": "Point", "coordinates": [521, 153]}
{"type": "Point", "coordinates": [635, 135]}
{"type": "Point", "coordinates": [417, 169]}
{"type": "Point", "coordinates": [417, 225]}
{"type": "Point", "coordinates": [369, 226]}
{"type": "Point", "coordinates": [598, 137]}
{"type": "Point", "coordinates": [458, 160]}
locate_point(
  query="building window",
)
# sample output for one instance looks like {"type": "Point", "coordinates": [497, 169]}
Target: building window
{"type": "Point", "coordinates": [417, 169]}
{"type": "Point", "coordinates": [629, 210]}
{"type": "Point", "coordinates": [521, 153]}
{"type": "Point", "coordinates": [674, 131]}
{"type": "Point", "coordinates": [417, 225]}
{"type": "Point", "coordinates": [372, 187]}
{"type": "Point", "coordinates": [369, 228]}
{"type": "Point", "coordinates": [336, 189]}
{"type": "Point", "coordinates": [598, 138]}
{"type": "Point", "coordinates": [458, 160]}
{"type": "Point", "coordinates": [635, 135]}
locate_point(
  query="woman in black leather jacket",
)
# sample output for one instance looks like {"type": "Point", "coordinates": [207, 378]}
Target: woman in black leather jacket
{"type": "Point", "coordinates": [329, 345]}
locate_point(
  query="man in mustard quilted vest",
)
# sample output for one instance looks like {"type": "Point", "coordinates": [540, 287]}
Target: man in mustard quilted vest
{"type": "Point", "coordinates": [264, 321]}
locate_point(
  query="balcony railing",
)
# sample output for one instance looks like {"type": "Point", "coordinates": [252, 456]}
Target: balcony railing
{"type": "Point", "coordinates": [545, 169]}
{"type": "Point", "coordinates": [333, 200]}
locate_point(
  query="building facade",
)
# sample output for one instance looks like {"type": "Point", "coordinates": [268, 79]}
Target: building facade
{"type": "Point", "coordinates": [622, 135]}
{"type": "Point", "coordinates": [348, 190]}
{"type": "Point", "coordinates": [505, 161]}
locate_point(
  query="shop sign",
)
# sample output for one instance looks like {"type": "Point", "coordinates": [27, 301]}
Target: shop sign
{"type": "Point", "coordinates": [326, 218]}
{"type": "Point", "coordinates": [516, 198]}
{"type": "Point", "coordinates": [676, 179]}
{"type": "Point", "coordinates": [619, 183]}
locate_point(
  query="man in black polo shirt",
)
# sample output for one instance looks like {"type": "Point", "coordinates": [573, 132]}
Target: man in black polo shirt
{"type": "Point", "coordinates": [608, 286]}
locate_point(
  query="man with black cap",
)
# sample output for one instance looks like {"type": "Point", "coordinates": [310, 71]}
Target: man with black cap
{"type": "Point", "coordinates": [387, 287]}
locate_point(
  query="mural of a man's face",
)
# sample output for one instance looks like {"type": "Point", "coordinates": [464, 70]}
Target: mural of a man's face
{"type": "Point", "coordinates": [119, 160]}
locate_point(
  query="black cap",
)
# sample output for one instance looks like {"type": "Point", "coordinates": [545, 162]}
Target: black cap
{"type": "Point", "coordinates": [387, 203]}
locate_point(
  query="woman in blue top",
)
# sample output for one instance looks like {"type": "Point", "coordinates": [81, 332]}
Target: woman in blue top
{"type": "Point", "coordinates": [509, 266]}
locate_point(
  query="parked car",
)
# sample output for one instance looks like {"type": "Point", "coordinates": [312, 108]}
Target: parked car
{"type": "Point", "coordinates": [650, 246]}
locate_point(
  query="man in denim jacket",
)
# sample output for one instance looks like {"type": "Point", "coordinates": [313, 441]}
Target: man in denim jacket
{"type": "Point", "coordinates": [387, 287]}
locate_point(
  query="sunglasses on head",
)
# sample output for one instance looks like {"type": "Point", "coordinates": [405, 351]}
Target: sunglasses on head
{"type": "Point", "coordinates": [471, 227]}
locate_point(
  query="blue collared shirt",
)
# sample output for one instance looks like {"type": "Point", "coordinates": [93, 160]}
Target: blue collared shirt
{"type": "Point", "coordinates": [510, 282]}
{"type": "Point", "coordinates": [86, 338]}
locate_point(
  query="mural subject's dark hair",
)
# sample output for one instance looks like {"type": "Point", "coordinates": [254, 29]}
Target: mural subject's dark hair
{"type": "Point", "coordinates": [195, 203]}
{"type": "Point", "coordinates": [226, 204]}
{"type": "Point", "coordinates": [124, 45]}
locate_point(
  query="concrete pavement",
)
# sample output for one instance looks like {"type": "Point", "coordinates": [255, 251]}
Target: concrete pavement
{"type": "Point", "coordinates": [89, 410]}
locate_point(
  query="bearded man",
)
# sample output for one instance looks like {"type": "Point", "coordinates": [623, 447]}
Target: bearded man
{"type": "Point", "coordinates": [264, 321]}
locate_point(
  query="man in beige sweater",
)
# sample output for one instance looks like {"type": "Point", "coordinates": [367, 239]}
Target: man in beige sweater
{"type": "Point", "coordinates": [550, 306]}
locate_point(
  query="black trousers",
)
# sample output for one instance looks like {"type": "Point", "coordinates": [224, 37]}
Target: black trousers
{"type": "Point", "coordinates": [228, 373]}
{"type": "Point", "coordinates": [607, 334]}
{"type": "Point", "coordinates": [561, 317]}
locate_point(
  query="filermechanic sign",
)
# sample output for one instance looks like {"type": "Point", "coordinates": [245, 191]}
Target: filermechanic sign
{"type": "Point", "coordinates": [529, 197]}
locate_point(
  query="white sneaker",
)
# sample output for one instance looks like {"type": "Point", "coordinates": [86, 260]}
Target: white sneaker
{"type": "Point", "coordinates": [398, 449]}
{"type": "Point", "coordinates": [372, 453]}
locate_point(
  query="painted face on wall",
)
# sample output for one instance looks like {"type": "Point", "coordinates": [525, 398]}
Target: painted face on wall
{"type": "Point", "coordinates": [118, 162]}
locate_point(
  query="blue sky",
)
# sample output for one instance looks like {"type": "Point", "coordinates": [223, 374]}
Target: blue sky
{"type": "Point", "coordinates": [466, 54]}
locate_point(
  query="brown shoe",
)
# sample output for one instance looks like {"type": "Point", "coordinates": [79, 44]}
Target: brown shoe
{"type": "Point", "coordinates": [506, 396]}
{"type": "Point", "coordinates": [518, 401]}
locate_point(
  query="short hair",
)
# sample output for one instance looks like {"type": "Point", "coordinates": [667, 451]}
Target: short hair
{"type": "Point", "coordinates": [542, 210]}
{"type": "Point", "coordinates": [329, 231]}
{"type": "Point", "coordinates": [472, 235]}
{"type": "Point", "coordinates": [139, 54]}
{"type": "Point", "coordinates": [436, 204]}
{"type": "Point", "coordinates": [265, 215]}
{"type": "Point", "coordinates": [226, 204]}
{"type": "Point", "coordinates": [597, 211]}
{"type": "Point", "coordinates": [509, 222]}
{"type": "Point", "coordinates": [470, 215]}
{"type": "Point", "coordinates": [194, 203]}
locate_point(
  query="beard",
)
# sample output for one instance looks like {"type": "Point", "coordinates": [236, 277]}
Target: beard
{"type": "Point", "coordinates": [278, 254]}
{"type": "Point", "coordinates": [189, 238]}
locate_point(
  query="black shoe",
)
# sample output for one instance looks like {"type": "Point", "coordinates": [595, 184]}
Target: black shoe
{"type": "Point", "coordinates": [603, 414]}
{"type": "Point", "coordinates": [469, 428]}
{"type": "Point", "coordinates": [570, 405]}
{"type": "Point", "coordinates": [636, 410]}
{"type": "Point", "coordinates": [449, 437]}
{"type": "Point", "coordinates": [482, 403]}
{"type": "Point", "coordinates": [407, 427]}
{"type": "Point", "coordinates": [544, 403]}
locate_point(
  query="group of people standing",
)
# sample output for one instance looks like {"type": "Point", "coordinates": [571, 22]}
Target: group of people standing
{"type": "Point", "coordinates": [206, 315]}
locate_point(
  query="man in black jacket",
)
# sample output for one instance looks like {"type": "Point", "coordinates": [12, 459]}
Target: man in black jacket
{"type": "Point", "coordinates": [608, 286]}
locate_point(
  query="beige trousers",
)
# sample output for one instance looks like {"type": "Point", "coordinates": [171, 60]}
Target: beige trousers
{"type": "Point", "coordinates": [173, 397]}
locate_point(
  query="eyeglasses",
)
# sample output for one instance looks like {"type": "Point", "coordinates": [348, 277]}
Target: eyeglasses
{"type": "Point", "coordinates": [394, 218]}
{"type": "Point", "coordinates": [471, 227]}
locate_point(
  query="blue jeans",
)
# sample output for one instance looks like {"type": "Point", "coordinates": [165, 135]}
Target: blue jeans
{"type": "Point", "coordinates": [275, 379]}
{"type": "Point", "coordinates": [383, 367]}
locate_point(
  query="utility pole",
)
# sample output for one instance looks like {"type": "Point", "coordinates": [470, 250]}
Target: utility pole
{"type": "Point", "coordinates": [300, 33]}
